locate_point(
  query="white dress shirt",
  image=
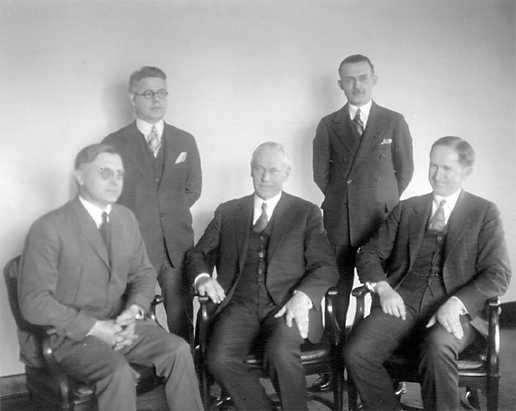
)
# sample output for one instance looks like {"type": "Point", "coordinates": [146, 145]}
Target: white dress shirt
{"type": "Point", "coordinates": [145, 128]}
{"type": "Point", "coordinates": [95, 211]}
{"type": "Point", "coordinates": [364, 112]}
{"type": "Point", "coordinates": [448, 206]}
{"type": "Point", "coordinates": [271, 205]}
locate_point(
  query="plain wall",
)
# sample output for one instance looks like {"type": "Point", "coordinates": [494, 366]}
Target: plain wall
{"type": "Point", "coordinates": [241, 72]}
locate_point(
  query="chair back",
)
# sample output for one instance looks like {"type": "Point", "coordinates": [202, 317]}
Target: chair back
{"type": "Point", "coordinates": [28, 334]}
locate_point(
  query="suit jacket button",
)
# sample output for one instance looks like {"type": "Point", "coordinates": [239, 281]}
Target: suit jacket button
{"type": "Point", "coordinates": [349, 181]}
{"type": "Point", "coordinates": [156, 180]}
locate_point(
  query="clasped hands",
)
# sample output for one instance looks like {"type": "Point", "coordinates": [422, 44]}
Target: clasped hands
{"type": "Point", "coordinates": [118, 333]}
{"type": "Point", "coordinates": [296, 308]}
{"type": "Point", "coordinates": [448, 314]}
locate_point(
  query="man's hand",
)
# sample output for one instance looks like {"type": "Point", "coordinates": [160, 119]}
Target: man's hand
{"type": "Point", "coordinates": [211, 287]}
{"type": "Point", "coordinates": [390, 301]}
{"type": "Point", "coordinates": [297, 308]}
{"type": "Point", "coordinates": [126, 337]}
{"type": "Point", "coordinates": [129, 315]}
{"type": "Point", "coordinates": [106, 331]}
{"type": "Point", "coordinates": [448, 315]}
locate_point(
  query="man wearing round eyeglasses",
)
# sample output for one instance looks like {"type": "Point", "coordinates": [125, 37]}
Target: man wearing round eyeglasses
{"type": "Point", "coordinates": [87, 279]}
{"type": "Point", "coordinates": [162, 181]}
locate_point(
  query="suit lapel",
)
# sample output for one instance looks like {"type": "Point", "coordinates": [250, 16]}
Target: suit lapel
{"type": "Point", "coordinates": [344, 131]}
{"type": "Point", "coordinates": [457, 223]}
{"type": "Point", "coordinates": [283, 220]}
{"type": "Point", "coordinates": [371, 136]}
{"type": "Point", "coordinates": [139, 153]}
{"type": "Point", "coordinates": [90, 232]}
{"type": "Point", "coordinates": [243, 222]}
{"type": "Point", "coordinates": [417, 225]}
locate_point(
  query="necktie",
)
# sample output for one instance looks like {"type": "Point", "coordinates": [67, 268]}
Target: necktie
{"type": "Point", "coordinates": [358, 124]}
{"type": "Point", "coordinates": [105, 230]}
{"type": "Point", "coordinates": [262, 221]}
{"type": "Point", "coordinates": [154, 141]}
{"type": "Point", "coordinates": [437, 222]}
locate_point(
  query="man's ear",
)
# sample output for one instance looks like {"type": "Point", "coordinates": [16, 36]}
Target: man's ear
{"type": "Point", "coordinates": [375, 79]}
{"type": "Point", "coordinates": [131, 98]}
{"type": "Point", "coordinates": [77, 175]}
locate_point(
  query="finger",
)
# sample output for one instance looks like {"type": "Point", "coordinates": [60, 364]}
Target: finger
{"type": "Point", "coordinates": [280, 313]}
{"type": "Point", "coordinates": [289, 318]}
{"type": "Point", "coordinates": [303, 329]}
{"type": "Point", "coordinates": [457, 330]}
{"type": "Point", "coordinates": [431, 322]}
{"type": "Point", "coordinates": [403, 311]}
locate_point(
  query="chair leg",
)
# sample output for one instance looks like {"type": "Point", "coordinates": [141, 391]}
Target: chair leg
{"type": "Point", "coordinates": [492, 393]}
{"type": "Point", "coordinates": [352, 395]}
{"type": "Point", "coordinates": [338, 376]}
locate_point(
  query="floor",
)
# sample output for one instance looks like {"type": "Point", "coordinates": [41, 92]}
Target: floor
{"type": "Point", "coordinates": [154, 401]}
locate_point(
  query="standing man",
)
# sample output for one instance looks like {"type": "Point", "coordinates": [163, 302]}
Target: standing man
{"type": "Point", "coordinates": [274, 265]}
{"type": "Point", "coordinates": [86, 277]}
{"type": "Point", "coordinates": [362, 162]}
{"type": "Point", "coordinates": [432, 265]}
{"type": "Point", "coordinates": [162, 182]}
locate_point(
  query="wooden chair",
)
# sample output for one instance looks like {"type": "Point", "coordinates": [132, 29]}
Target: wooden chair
{"type": "Point", "coordinates": [324, 357]}
{"type": "Point", "coordinates": [478, 366]}
{"type": "Point", "coordinates": [49, 387]}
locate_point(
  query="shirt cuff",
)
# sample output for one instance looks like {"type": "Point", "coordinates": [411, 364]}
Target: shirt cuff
{"type": "Point", "coordinates": [463, 309]}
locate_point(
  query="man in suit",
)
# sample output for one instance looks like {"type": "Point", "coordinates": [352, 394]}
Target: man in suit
{"type": "Point", "coordinates": [274, 265]}
{"type": "Point", "coordinates": [432, 265]}
{"type": "Point", "coordinates": [87, 279]}
{"type": "Point", "coordinates": [362, 162]}
{"type": "Point", "coordinates": [162, 182]}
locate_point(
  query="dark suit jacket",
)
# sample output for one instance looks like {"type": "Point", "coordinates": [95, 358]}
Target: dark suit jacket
{"type": "Point", "coordinates": [67, 281]}
{"type": "Point", "coordinates": [361, 186]}
{"type": "Point", "coordinates": [299, 255]}
{"type": "Point", "coordinates": [163, 210]}
{"type": "Point", "coordinates": [475, 266]}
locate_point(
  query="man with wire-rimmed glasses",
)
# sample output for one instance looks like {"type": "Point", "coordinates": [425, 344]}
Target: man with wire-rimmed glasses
{"type": "Point", "coordinates": [163, 180]}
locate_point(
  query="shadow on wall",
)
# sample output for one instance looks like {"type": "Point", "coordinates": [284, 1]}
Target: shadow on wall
{"type": "Point", "coordinates": [117, 107]}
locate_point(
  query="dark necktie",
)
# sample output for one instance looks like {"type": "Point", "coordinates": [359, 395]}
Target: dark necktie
{"type": "Point", "coordinates": [154, 141]}
{"type": "Point", "coordinates": [262, 221]}
{"type": "Point", "coordinates": [105, 230]}
{"type": "Point", "coordinates": [358, 124]}
{"type": "Point", "coordinates": [438, 222]}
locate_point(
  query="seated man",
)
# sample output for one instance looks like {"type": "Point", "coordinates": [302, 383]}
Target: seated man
{"type": "Point", "coordinates": [274, 265]}
{"type": "Point", "coordinates": [432, 265]}
{"type": "Point", "coordinates": [86, 276]}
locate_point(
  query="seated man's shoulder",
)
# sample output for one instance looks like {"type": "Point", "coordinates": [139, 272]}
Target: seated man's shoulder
{"type": "Point", "coordinates": [56, 217]}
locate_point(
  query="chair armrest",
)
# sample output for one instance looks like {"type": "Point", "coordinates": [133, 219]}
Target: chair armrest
{"type": "Point", "coordinates": [330, 318]}
{"type": "Point", "coordinates": [203, 322]}
{"type": "Point", "coordinates": [157, 300]}
{"type": "Point", "coordinates": [493, 337]}
{"type": "Point", "coordinates": [55, 370]}
{"type": "Point", "coordinates": [359, 293]}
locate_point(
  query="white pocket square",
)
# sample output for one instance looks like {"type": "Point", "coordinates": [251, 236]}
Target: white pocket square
{"type": "Point", "coordinates": [386, 141]}
{"type": "Point", "coordinates": [181, 157]}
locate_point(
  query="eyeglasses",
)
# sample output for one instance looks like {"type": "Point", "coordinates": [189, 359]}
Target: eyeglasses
{"type": "Point", "coordinates": [150, 94]}
{"type": "Point", "coordinates": [108, 174]}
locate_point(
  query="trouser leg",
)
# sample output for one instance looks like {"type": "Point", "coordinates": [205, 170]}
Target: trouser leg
{"type": "Point", "coordinates": [172, 359]}
{"type": "Point", "coordinates": [345, 255]}
{"type": "Point", "coordinates": [438, 366]}
{"type": "Point", "coordinates": [178, 300]}
{"type": "Point", "coordinates": [231, 340]}
{"type": "Point", "coordinates": [282, 362]}
{"type": "Point", "coordinates": [371, 343]}
{"type": "Point", "coordinates": [96, 363]}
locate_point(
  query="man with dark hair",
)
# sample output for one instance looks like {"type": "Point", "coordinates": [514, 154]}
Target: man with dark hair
{"type": "Point", "coordinates": [431, 266]}
{"type": "Point", "coordinates": [85, 277]}
{"type": "Point", "coordinates": [362, 162]}
{"type": "Point", "coordinates": [274, 265]}
{"type": "Point", "coordinates": [163, 180]}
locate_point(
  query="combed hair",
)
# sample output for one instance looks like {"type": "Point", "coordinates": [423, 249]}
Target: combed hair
{"type": "Point", "coordinates": [461, 147]}
{"type": "Point", "coordinates": [273, 145]}
{"type": "Point", "coordinates": [356, 58]}
{"type": "Point", "coordinates": [91, 152]}
{"type": "Point", "coordinates": [145, 72]}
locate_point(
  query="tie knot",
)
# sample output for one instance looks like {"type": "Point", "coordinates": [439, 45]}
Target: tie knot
{"type": "Point", "coordinates": [358, 115]}
{"type": "Point", "coordinates": [105, 218]}
{"type": "Point", "coordinates": [264, 207]}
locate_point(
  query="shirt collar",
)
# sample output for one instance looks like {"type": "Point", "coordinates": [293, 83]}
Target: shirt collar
{"type": "Point", "coordinates": [364, 111]}
{"type": "Point", "coordinates": [271, 205]}
{"type": "Point", "coordinates": [145, 127]}
{"type": "Point", "coordinates": [449, 205]}
{"type": "Point", "coordinates": [95, 211]}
